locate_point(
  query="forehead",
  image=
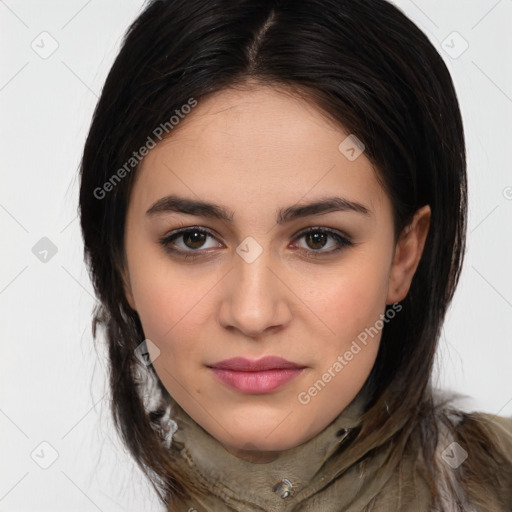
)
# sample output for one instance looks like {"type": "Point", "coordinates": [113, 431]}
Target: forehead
{"type": "Point", "coordinates": [256, 118]}
{"type": "Point", "coordinates": [256, 145]}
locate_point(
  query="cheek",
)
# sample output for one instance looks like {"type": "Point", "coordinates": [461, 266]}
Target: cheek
{"type": "Point", "coordinates": [174, 306]}
{"type": "Point", "coordinates": [168, 297]}
{"type": "Point", "coordinates": [349, 299]}
{"type": "Point", "coordinates": [170, 313]}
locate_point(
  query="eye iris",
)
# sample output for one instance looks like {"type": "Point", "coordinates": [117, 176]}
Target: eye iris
{"type": "Point", "coordinates": [316, 238]}
{"type": "Point", "coordinates": [196, 237]}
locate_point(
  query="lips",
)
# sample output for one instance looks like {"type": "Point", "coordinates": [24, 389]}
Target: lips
{"type": "Point", "coordinates": [241, 364]}
{"type": "Point", "coordinates": [255, 376]}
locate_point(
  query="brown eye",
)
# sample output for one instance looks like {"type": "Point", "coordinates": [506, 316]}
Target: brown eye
{"type": "Point", "coordinates": [323, 241]}
{"type": "Point", "coordinates": [316, 239]}
{"type": "Point", "coordinates": [194, 239]}
{"type": "Point", "coordinates": [192, 242]}
{"type": "Point", "coordinates": [188, 242]}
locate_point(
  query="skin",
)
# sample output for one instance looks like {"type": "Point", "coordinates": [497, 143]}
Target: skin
{"type": "Point", "coordinates": [254, 151]}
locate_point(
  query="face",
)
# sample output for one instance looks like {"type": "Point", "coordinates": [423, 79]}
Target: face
{"type": "Point", "coordinates": [275, 242]}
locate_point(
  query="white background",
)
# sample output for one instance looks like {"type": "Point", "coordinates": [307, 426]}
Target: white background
{"type": "Point", "coordinates": [52, 381]}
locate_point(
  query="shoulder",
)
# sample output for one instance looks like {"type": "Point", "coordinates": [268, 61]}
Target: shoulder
{"type": "Point", "coordinates": [486, 435]}
{"type": "Point", "coordinates": [483, 445]}
{"type": "Point", "coordinates": [475, 427]}
{"type": "Point", "coordinates": [473, 455]}
{"type": "Point", "coordinates": [498, 429]}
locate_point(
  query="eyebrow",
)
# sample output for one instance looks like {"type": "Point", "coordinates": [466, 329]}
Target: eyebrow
{"type": "Point", "coordinates": [196, 207]}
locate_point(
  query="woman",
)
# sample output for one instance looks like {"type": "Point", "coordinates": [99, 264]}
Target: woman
{"type": "Point", "coordinates": [273, 205]}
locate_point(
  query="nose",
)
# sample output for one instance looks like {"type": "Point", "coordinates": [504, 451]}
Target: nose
{"type": "Point", "coordinates": [255, 299]}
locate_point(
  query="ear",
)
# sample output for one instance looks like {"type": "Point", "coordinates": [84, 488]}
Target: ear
{"type": "Point", "coordinates": [408, 251]}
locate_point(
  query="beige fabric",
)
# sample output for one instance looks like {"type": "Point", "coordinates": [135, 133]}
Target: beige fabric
{"type": "Point", "coordinates": [329, 473]}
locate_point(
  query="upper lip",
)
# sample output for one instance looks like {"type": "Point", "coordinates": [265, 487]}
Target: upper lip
{"type": "Point", "coordinates": [242, 364]}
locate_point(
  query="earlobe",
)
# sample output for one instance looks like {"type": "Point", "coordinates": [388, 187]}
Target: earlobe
{"type": "Point", "coordinates": [408, 252]}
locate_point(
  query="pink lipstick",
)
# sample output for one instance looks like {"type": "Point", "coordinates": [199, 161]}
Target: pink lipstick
{"type": "Point", "coordinates": [255, 376]}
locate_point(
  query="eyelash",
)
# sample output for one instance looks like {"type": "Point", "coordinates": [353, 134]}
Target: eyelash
{"type": "Point", "coordinates": [165, 241]}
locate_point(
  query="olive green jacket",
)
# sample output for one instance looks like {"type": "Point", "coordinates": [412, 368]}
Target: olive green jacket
{"type": "Point", "coordinates": [328, 473]}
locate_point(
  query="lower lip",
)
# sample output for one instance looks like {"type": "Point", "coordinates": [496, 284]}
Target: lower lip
{"type": "Point", "coordinates": [256, 382]}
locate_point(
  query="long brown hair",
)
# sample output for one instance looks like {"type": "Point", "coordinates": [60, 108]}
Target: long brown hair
{"type": "Point", "coordinates": [367, 67]}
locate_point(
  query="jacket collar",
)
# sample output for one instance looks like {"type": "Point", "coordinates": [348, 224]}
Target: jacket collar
{"type": "Point", "coordinates": [293, 476]}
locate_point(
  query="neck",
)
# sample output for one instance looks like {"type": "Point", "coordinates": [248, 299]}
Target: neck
{"type": "Point", "coordinates": [254, 456]}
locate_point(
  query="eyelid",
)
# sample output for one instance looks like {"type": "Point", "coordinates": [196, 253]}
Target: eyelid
{"type": "Point", "coordinates": [326, 229]}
